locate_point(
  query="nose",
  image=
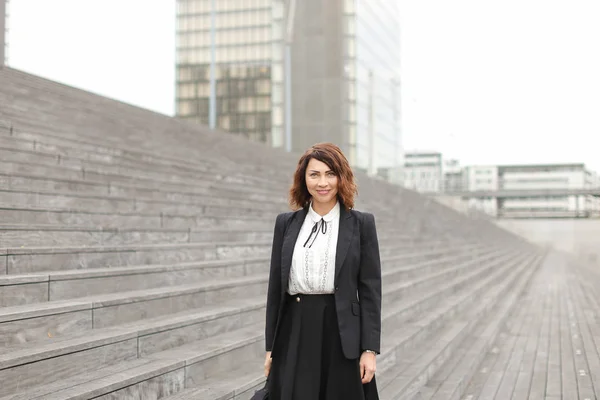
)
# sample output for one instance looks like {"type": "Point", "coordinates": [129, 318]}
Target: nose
{"type": "Point", "coordinates": [322, 181]}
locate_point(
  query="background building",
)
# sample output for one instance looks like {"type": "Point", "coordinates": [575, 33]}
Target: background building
{"type": "Point", "coordinates": [533, 177]}
{"type": "Point", "coordinates": [427, 172]}
{"type": "Point", "coordinates": [453, 176]}
{"type": "Point", "coordinates": [547, 176]}
{"type": "Point", "coordinates": [423, 171]}
{"type": "Point", "coordinates": [482, 178]}
{"type": "Point", "coordinates": [249, 70]}
{"type": "Point", "coordinates": [345, 84]}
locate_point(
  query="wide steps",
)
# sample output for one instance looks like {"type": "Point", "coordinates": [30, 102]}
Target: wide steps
{"type": "Point", "coordinates": [27, 260]}
{"type": "Point", "coordinates": [192, 362]}
{"type": "Point", "coordinates": [80, 217]}
{"type": "Point", "coordinates": [20, 235]}
{"type": "Point", "coordinates": [135, 249]}
{"type": "Point", "coordinates": [418, 366]}
{"type": "Point", "coordinates": [125, 170]}
{"type": "Point", "coordinates": [249, 349]}
{"type": "Point", "coordinates": [229, 385]}
{"type": "Point", "coordinates": [34, 259]}
{"type": "Point", "coordinates": [24, 323]}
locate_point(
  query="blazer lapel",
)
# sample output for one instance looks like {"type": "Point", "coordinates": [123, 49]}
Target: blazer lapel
{"type": "Point", "coordinates": [289, 242]}
{"type": "Point", "coordinates": [345, 234]}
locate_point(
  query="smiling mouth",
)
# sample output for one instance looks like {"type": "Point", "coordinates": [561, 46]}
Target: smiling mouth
{"type": "Point", "coordinates": [322, 191]}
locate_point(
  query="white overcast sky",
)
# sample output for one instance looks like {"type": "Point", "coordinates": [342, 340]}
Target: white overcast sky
{"type": "Point", "coordinates": [487, 82]}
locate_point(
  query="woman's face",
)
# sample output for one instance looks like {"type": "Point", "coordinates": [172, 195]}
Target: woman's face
{"type": "Point", "coordinates": [322, 182]}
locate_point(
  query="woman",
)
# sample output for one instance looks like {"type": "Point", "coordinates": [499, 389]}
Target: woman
{"type": "Point", "coordinates": [323, 322]}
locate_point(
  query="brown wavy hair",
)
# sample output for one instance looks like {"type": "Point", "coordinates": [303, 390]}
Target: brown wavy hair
{"type": "Point", "coordinates": [331, 155]}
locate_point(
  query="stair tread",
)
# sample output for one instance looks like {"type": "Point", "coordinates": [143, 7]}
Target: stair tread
{"type": "Point", "coordinates": [104, 300]}
{"type": "Point", "coordinates": [31, 352]}
{"type": "Point", "coordinates": [416, 361]}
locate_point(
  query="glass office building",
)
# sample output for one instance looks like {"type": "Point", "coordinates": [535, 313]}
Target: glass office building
{"type": "Point", "coordinates": [345, 85]}
{"type": "Point", "coordinates": [373, 57]}
{"type": "Point", "coordinates": [248, 74]}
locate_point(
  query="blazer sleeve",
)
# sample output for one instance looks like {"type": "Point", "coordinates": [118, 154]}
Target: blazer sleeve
{"type": "Point", "coordinates": [369, 286]}
{"type": "Point", "coordinates": [274, 290]}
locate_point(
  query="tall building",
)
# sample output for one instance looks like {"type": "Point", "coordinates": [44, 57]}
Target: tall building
{"type": "Point", "coordinates": [345, 63]}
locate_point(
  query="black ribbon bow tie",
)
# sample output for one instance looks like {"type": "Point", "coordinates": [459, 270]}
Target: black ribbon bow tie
{"type": "Point", "coordinates": [315, 231]}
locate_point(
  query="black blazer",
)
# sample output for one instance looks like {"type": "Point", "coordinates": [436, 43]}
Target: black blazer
{"type": "Point", "coordinates": [357, 279]}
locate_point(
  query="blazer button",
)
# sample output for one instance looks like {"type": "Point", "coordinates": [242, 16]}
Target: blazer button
{"type": "Point", "coordinates": [337, 288]}
{"type": "Point", "coordinates": [298, 299]}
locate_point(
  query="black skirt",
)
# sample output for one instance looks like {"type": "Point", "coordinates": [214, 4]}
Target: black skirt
{"type": "Point", "coordinates": [308, 361]}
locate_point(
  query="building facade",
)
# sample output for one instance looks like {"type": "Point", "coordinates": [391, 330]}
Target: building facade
{"type": "Point", "coordinates": [248, 77]}
{"type": "Point", "coordinates": [484, 178]}
{"type": "Point", "coordinates": [533, 177]}
{"type": "Point", "coordinates": [423, 172]}
{"type": "Point", "coordinates": [547, 176]}
{"type": "Point", "coordinates": [453, 176]}
{"type": "Point", "coordinates": [345, 85]}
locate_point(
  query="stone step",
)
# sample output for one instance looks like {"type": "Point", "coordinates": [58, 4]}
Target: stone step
{"type": "Point", "coordinates": [194, 361]}
{"type": "Point", "coordinates": [25, 323]}
{"type": "Point", "coordinates": [446, 382]}
{"type": "Point", "coordinates": [26, 260]}
{"type": "Point", "coordinates": [28, 129]}
{"type": "Point", "coordinates": [157, 378]}
{"type": "Point", "coordinates": [438, 275]}
{"type": "Point", "coordinates": [247, 347]}
{"type": "Point", "coordinates": [77, 149]}
{"type": "Point", "coordinates": [18, 290]}
{"type": "Point", "coordinates": [285, 180]}
{"type": "Point", "coordinates": [31, 323]}
{"type": "Point", "coordinates": [78, 118]}
{"type": "Point", "coordinates": [450, 300]}
{"type": "Point", "coordinates": [249, 379]}
{"type": "Point", "coordinates": [455, 374]}
{"type": "Point", "coordinates": [20, 163]}
{"type": "Point", "coordinates": [70, 152]}
{"type": "Point", "coordinates": [32, 178]}
{"type": "Point", "coordinates": [40, 259]}
{"type": "Point", "coordinates": [416, 367]}
{"type": "Point", "coordinates": [239, 383]}
{"type": "Point", "coordinates": [122, 127]}
{"type": "Point", "coordinates": [105, 202]}
{"type": "Point", "coordinates": [63, 285]}
{"type": "Point", "coordinates": [21, 150]}
{"type": "Point", "coordinates": [26, 235]}
{"type": "Point", "coordinates": [82, 216]}
{"type": "Point", "coordinates": [19, 214]}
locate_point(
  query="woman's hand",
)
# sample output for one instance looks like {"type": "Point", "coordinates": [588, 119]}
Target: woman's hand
{"type": "Point", "coordinates": [367, 367]}
{"type": "Point", "coordinates": [268, 361]}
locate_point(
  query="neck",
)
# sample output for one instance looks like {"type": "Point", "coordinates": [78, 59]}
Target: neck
{"type": "Point", "coordinates": [323, 208]}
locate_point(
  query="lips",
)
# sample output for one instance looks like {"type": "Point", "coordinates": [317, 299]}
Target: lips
{"type": "Point", "coordinates": [322, 192]}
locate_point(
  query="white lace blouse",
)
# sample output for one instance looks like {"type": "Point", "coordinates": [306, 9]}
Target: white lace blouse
{"type": "Point", "coordinates": [313, 260]}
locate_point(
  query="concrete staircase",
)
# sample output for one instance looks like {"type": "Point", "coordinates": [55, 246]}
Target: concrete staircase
{"type": "Point", "coordinates": [134, 252]}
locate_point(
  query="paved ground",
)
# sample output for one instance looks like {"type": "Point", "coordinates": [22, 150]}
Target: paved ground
{"type": "Point", "coordinates": [549, 348]}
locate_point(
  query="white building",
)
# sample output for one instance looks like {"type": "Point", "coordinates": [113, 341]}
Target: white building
{"type": "Point", "coordinates": [453, 176]}
{"type": "Point", "coordinates": [482, 178]}
{"type": "Point", "coordinates": [427, 172]}
{"type": "Point", "coordinates": [531, 177]}
{"type": "Point", "coordinates": [423, 172]}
